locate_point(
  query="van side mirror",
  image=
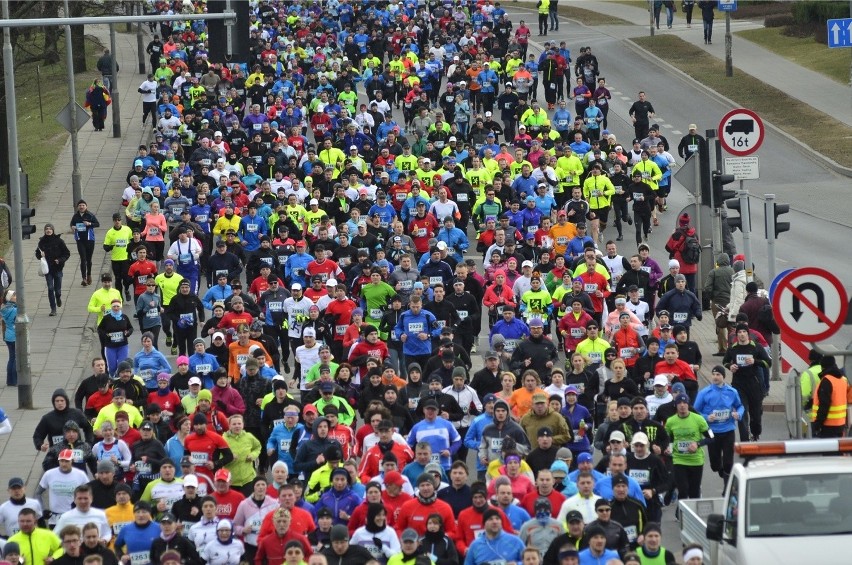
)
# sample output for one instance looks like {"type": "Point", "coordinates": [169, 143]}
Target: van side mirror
{"type": "Point", "coordinates": [715, 527]}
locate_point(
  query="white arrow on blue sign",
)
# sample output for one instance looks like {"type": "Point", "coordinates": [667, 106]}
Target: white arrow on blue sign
{"type": "Point", "coordinates": [840, 32]}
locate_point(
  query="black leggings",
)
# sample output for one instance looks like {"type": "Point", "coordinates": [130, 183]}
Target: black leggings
{"type": "Point", "coordinates": [721, 452]}
{"type": "Point", "coordinates": [688, 480]}
{"type": "Point", "coordinates": [149, 108]}
{"type": "Point", "coordinates": [86, 249]}
{"type": "Point", "coordinates": [643, 225]}
{"type": "Point", "coordinates": [751, 395]}
{"type": "Point", "coordinates": [184, 338]}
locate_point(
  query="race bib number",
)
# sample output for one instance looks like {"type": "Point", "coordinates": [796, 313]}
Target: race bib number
{"type": "Point", "coordinates": [692, 147]}
{"type": "Point", "coordinates": [116, 337]}
{"type": "Point", "coordinates": [496, 444]}
{"type": "Point", "coordinates": [400, 196]}
{"type": "Point", "coordinates": [461, 197]}
{"type": "Point", "coordinates": [435, 280]}
{"type": "Point", "coordinates": [577, 333]}
{"type": "Point", "coordinates": [251, 227]}
{"type": "Point", "coordinates": [256, 127]}
{"type": "Point", "coordinates": [463, 315]}
{"type": "Point", "coordinates": [140, 558]}
{"type": "Point", "coordinates": [152, 313]}
{"type": "Point", "coordinates": [284, 445]}
{"type": "Point", "coordinates": [276, 306]}
{"type": "Point", "coordinates": [440, 324]}
{"type": "Point", "coordinates": [683, 446]}
{"type": "Point", "coordinates": [143, 468]}
{"type": "Point", "coordinates": [188, 318]}
{"type": "Point", "coordinates": [375, 313]}
{"type": "Point", "coordinates": [579, 98]}
{"type": "Point", "coordinates": [562, 240]}
{"type": "Point", "coordinates": [406, 285]}
{"type": "Point", "coordinates": [421, 232]}
{"type": "Point", "coordinates": [590, 287]}
{"type": "Point", "coordinates": [185, 258]}
{"type": "Point", "coordinates": [626, 352]}
{"type": "Point", "coordinates": [532, 229]}
{"type": "Point", "coordinates": [198, 458]}
{"type": "Point", "coordinates": [204, 369]}
{"type": "Point", "coordinates": [721, 415]}
{"type": "Point", "coordinates": [201, 218]}
{"type": "Point", "coordinates": [680, 317]}
{"type": "Point", "coordinates": [121, 243]}
{"type": "Point", "coordinates": [176, 210]}
{"type": "Point", "coordinates": [641, 476]}
{"type": "Point", "coordinates": [510, 344]}
{"type": "Point", "coordinates": [743, 359]}
{"type": "Point", "coordinates": [81, 227]}
{"type": "Point", "coordinates": [415, 327]}
{"type": "Point", "coordinates": [646, 269]}
{"type": "Point", "coordinates": [242, 358]}
{"type": "Point", "coordinates": [340, 329]}
{"type": "Point", "coordinates": [221, 272]}
{"type": "Point", "coordinates": [631, 533]}
{"type": "Point", "coordinates": [153, 231]}
{"type": "Point", "coordinates": [638, 196]}
{"type": "Point", "coordinates": [435, 458]}
{"type": "Point", "coordinates": [595, 357]}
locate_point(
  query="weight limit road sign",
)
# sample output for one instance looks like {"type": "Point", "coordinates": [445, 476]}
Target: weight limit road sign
{"type": "Point", "coordinates": [741, 132]}
{"type": "Point", "coordinates": [810, 304]}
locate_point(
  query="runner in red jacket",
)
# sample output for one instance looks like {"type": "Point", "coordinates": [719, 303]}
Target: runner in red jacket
{"type": "Point", "coordinates": [470, 519]}
{"type": "Point", "coordinates": [414, 513]}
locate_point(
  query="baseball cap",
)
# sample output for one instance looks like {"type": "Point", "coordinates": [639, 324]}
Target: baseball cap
{"type": "Point", "coordinates": [574, 516]}
{"type": "Point", "coordinates": [545, 431]}
{"type": "Point", "coordinates": [539, 397]}
{"type": "Point", "coordinates": [222, 475]}
{"type": "Point", "coordinates": [190, 481]}
{"type": "Point", "coordinates": [66, 455]}
{"type": "Point", "coordinates": [616, 436]}
{"type": "Point", "coordinates": [640, 437]}
{"type": "Point", "coordinates": [661, 380]}
{"type": "Point", "coordinates": [16, 482]}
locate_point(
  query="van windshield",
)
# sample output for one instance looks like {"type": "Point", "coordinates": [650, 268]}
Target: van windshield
{"type": "Point", "coordinates": [815, 505]}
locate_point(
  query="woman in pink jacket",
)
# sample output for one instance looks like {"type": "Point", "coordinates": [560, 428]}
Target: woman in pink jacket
{"type": "Point", "coordinates": [155, 229]}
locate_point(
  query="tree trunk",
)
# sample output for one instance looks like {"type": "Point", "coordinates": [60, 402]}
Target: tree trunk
{"type": "Point", "coordinates": [78, 40]}
{"type": "Point", "coordinates": [51, 34]}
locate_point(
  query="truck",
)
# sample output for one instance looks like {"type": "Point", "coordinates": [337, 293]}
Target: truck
{"type": "Point", "coordinates": [785, 502]}
{"type": "Point", "coordinates": [745, 126]}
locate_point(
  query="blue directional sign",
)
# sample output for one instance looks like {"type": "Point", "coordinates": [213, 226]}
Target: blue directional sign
{"type": "Point", "coordinates": [727, 5]}
{"type": "Point", "coordinates": [840, 32]}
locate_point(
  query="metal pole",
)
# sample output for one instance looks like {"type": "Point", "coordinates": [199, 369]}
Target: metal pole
{"type": "Point", "coordinates": [116, 108]}
{"type": "Point", "coordinates": [22, 322]}
{"type": "Point", "coordinates": [76, 177]}
{"type": "Point", "coordinates": [729, 41]}
{"type": "Point", "coordinates": [102, 20]}
{"type": "Point", "coordinates": [38, 82]}
{"type": "Point", "coordinates": [699, 287]}
{"type": "Point", "coordinates": [651, 16]}
{"type": "Point", "coordinates": [140, 48]}
{"type": "Point", "coordinates": [769, 221]}
{"type": "Point", "coordinates": [746, 226]}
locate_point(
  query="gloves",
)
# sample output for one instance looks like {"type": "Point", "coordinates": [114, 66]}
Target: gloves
{"type": "Point", "coordinates": [220, 404]}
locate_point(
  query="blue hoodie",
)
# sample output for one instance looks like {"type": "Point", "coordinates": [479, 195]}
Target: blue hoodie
{"type": "Point", "coordinates": [719, 400]}
{"type": "Point", "coordinates": [412, 324]}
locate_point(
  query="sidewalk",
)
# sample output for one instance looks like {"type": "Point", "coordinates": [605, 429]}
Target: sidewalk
{"type": "Point", "coordinates": [61, 348]}
{"type": "Point", "coordinates": [805, 85]}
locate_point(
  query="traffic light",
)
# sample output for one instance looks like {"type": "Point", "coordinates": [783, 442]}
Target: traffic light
{"type": "Point", "coordinates": [26, 229]}
{"type": "Point", "coordinates": [719, 193]}
{"type": "Point", "coordinates": [736, 223]}
{"type": "Point", "coordinates": [779, 227]}
{"type": "Point", "coordinates": [704, 173]}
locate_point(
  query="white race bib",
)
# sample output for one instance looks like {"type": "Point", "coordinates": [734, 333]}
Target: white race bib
{"type": "Point", "coordinates": [641, 476]}
{"type": "Point", "coordinates": [375, 313]}
{"type": "Point", "coordinates": [415, 327]}
{"type": "Point", "coordinates": [198, 458]}
{"type": "Point", "coordinates": [463, 314]}
{"type": "Point", "coordinates": [204, 369]}
{"type": "Point", "coordinates": [435, 280]}
{"type": "Point", "coordinates": [116, 337]}
{"type": "Point", "coordinates": [721, 415]}
{"type": "Point", "coordinates": [577, 333]}
{"type": "Point", "coordinates": [680, 317]}
{"type": "Point", "coordinates": [590, 287]}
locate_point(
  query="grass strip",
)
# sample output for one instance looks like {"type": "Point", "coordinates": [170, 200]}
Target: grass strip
{"type": "Point", "coordinates": [805, 51]}
{"type": "Point", "coordinates": [40, 137]}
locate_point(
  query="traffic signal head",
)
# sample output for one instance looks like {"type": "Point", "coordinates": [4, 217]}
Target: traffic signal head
{"type": "Point", "coordinates": [734, 223]}
{"type": "Point", "coordinates": [719, 193]}
{"type": "Point", "coordinates": [780, 227]}
{"type": "Point", "coordinates": [26, 229]}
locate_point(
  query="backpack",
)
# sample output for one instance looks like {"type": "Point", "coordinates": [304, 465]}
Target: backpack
{"type": "Point", "coordinates": [691, 251]}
